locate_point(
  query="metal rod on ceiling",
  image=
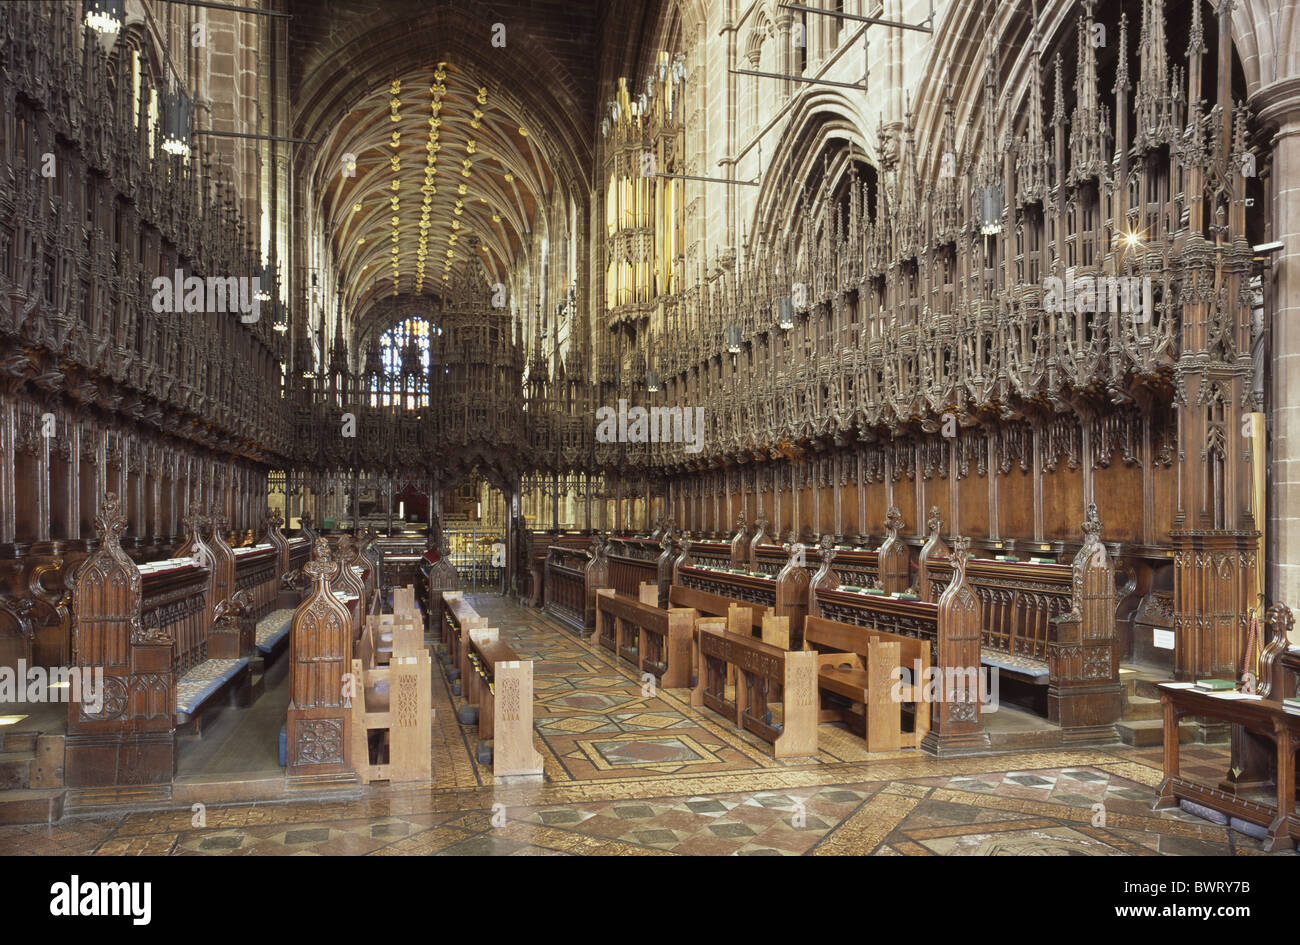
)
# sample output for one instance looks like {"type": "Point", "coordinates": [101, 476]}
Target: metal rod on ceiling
{"type": "Point", "coordinates": [256, 11]}
{"type": "Point", "coordinates": [799, 78]}
{"type": "Point", "coordinates": [926, 25]}
{"type": "Point", "coordinates": [240, 134]}
{"type": "Point", "coordinates": [710, 180]}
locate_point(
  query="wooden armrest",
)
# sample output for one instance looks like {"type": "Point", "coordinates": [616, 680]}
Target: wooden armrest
{"type": "Point", "coordinates": [840, 660]}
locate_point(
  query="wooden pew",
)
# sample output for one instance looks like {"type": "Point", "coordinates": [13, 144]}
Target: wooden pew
{"type": "Point", "coordinates": [952, 629]}
{"type": "Point", "coordinates": [500, 684]}
{"type": "Point", "coordinates": [260, 571]}
{"type": "Point", "coordinates": [149, 628]}
{"type": "Point", "coordinates": [786, 594]}
{"type": "Point", "coordinates": [391, 699]}
{"type": "Point", "coordinates": [761, 672]}
{"type": "Point", "coordinates": [632, 562]}
{"type": "Point", "coordinates": [862, 666]}
{"type": "Point", "coordinates": [1052, 625]}
{"type": "Point", "coordinates": [654, 640]}
{"type": "Point", "coordinates": [458, 619]}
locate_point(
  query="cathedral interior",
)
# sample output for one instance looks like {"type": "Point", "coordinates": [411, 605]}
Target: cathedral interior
{"type": "Point", "coordinates": [863, 427]}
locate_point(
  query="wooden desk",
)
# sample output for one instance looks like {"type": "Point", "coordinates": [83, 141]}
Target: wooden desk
{"type": "Point", "coordinates": [1264, 717]}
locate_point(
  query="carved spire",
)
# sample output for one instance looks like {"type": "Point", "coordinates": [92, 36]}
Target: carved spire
{"type": "Point", "coordinates": [1088, 122]}
{"type": "Point", "coordinates": [1153, 101]}
{"type": "Point", "coordinates": [1031, 165]}
{"type": "Point", "coordinates": [1122, 83]}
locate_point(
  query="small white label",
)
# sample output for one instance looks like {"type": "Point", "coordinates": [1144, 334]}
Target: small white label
{"type": "Point", "coordinates": [1162, 639]}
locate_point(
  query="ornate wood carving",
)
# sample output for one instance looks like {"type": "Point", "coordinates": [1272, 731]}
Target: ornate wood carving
{"type": "Point", "coordinates": [320, 651]}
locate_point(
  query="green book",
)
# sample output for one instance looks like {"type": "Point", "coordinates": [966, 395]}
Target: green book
{"type": "Point", "coordinates": [1216, 685]}
{"type": "Point", "coordinates": [850, 588]}
{"type": "Point", "coordinates": [873, 591]}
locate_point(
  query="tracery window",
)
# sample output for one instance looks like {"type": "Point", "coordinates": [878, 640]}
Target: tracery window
{"type": "Point", "coordinates": [404, 359]}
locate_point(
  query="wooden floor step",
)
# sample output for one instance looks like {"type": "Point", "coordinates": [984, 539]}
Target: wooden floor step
{"type": "Point", "coordinates": [17, 741]}
{"type": "Point", "coordinates": [1140, 708]}
{"type": "Point", "coordinates": [32, 806]}
{"type": "Point", "coordinates": [16, 770]}
{"type": "Point", "coordinates": [1148, 733]}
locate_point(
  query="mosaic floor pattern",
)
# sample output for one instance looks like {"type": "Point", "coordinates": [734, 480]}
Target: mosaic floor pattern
{"type": "Point", "coordinates": [634, 771]}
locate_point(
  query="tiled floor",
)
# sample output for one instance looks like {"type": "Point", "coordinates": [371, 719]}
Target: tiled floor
{"type": "Point", "coordinates": [631, 770]}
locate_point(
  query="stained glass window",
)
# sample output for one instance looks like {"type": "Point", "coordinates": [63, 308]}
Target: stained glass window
{"type": "Point", "coordinates": [404, 361]}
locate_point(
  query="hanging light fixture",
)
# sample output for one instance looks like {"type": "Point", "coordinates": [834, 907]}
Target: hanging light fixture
{"type": "Point", "coordinates": [784, 313]}
{"type": "Point", "coordinates": [177, 116]}
{"type": "Point", "coordinates": [733, 339]}
{"type": "Point", "coordinates": [652, 381]}
{"type": "Point", "coordinates": [103, 16]}
{"type": "Point", "coordinates": [263, 293]}
{"type": "Point", "coordinates": [280, 323]}
{"type": "Point", "coordinates": [991, 210]}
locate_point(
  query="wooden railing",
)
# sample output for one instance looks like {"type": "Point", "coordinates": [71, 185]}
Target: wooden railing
{"type": "Point", "coordinates": [572, 578]}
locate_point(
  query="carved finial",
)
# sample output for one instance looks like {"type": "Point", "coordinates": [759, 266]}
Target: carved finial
{"type": "Point", "coordinates": [1196, 34]}
{"type": "Point", "coordinates": [275, 518]}
{"type": "Point", "coordinates": [1280, 619]}
{"type": "Point", "coordinates": [110, 522]}
{"type": "Point", "coordinates": [321, 564]}
{"type": "Point", "coordinates": [741, 523]}
{"type": "Point", "coordinates": [934, 522]}
{"type": "Point", "coordinates": [826, 550]}
{"type": "Point", "coordinates": [960, 555]}
{"type": "Point", "coordinates": [893, 522]}
{"type": "Point", "coordinates": [1091, 524]}
{"type": "Point", "coordinates": [228, 612]}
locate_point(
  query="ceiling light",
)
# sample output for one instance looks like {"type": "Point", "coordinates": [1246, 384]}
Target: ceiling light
{"type": "Point", "coordinates": [104, 17]}
{"type": "Point", "coordinates": [177, 115]}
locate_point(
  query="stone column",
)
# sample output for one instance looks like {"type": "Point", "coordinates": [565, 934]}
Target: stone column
{"type": "Point", "coordinates": [1278, 107]}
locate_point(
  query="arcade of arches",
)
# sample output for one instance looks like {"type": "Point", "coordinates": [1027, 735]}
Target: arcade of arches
{"type": "Point", "coordinates": [958, 330]}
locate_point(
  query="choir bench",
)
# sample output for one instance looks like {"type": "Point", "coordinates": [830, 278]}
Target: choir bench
{"type": "Point", "coordinates": [655, 641]}
{"type": "Point", "coordinates": [862, 666]}
{"type": "Point", "coordinates": [764, 675]}
{"type": "Point", "coordinates": [391, 700]}
{"type": "Point", "coordinates": [458, 618]}
{"type": "Point", "coordinates": [498, 688]}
